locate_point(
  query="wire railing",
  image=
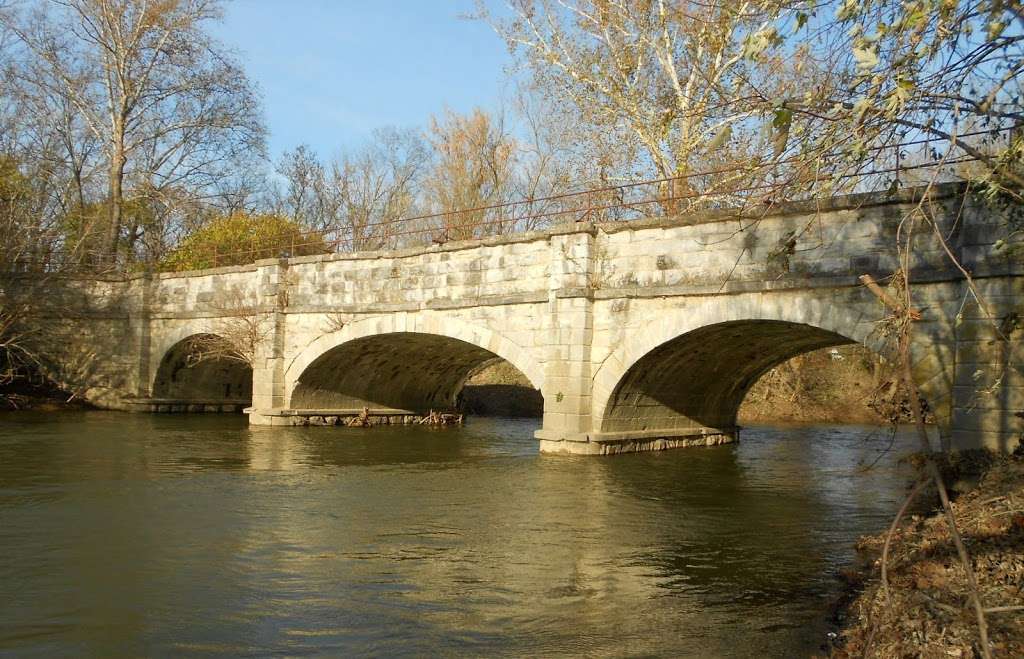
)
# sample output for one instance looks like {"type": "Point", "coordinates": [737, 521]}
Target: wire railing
{"type": "Point", "coordinates": [721, 188]}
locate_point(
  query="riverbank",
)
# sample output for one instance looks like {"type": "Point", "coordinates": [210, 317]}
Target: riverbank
{"type": "Point", "coordinates": [926, 611]}
{"type": "Point", "coordinates": [834, 385]}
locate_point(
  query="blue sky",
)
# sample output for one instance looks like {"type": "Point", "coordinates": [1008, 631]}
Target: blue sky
{"type": "Point", "coordinates": [332, 71]}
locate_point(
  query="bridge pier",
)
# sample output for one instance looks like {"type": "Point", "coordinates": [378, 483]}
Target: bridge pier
{"type": "Point", "coordinates": [598, 443]}
{"type": "Point", "coordinates": [268, 384]}
{"type": "Point", "coordinates": [565, 340]}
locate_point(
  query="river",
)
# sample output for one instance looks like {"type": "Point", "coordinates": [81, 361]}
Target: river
{"type": "Point", "coordinates": [171, 535]}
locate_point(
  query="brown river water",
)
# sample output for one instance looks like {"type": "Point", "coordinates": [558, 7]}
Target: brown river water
{"type": "Point", "coordinates": [129, 535]}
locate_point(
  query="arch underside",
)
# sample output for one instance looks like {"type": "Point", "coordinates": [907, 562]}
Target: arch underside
{"type": "Point", "coordinates": [697, 381]}
{"type": "Point", "coordinates": [401, 370]}
{"type": "Point", "coordinates": [181, 377]}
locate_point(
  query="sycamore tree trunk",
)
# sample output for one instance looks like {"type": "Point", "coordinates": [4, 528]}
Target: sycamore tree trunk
{"type": "Point", "coordinates": [116, 194]}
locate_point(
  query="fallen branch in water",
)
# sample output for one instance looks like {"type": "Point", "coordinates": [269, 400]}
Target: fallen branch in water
{"type": "Point", "coordinates": [441, 419]}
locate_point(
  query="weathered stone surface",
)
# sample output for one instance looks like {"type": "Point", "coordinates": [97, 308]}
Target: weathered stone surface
{"type": "Point", "coordinates": [635, 333]}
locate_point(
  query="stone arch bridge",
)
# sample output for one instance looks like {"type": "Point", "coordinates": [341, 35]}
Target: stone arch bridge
{"type": "Point", "coordinates": [639, 335]}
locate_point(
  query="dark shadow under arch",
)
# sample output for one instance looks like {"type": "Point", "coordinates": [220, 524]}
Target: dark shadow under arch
{"type": "Point", "coordinates": [400, 370]}
{"type": "Point", "coordinates": [184, 376]}
{"type": "Point", "coordinates": [699, 379]}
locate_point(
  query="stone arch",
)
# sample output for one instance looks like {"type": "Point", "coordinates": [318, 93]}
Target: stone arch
{"type": "Point", "coordinates": [218, 380]}
{"type": "Point", "coordinates": [691, 368]}
{"type": "Point", "coordinates": [399, 360]}
{"type": "Point", "coordinates": [166, 339]}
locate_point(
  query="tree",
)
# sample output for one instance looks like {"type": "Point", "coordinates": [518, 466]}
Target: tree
{"type": "Point", "coordinates": [170, 109]}
{"type": "Point", "coordinates": [670, 82]}
{"type": "Point", "coordinates": [243, 238]}
{"type": "Point", "coordinates": [945, 70]}
{"type": "Point", "coordinates": [545, 164]}
{"type": "Point", "coordinates": [474, 168]}
{"type": "Point", "coordinates": [378, 186]}
{"type": "Point", "coordinates": [360, 197]}
{"type": "Point", "coordinates": [306, 197]}
{"type": "Point", "coordinates": [788, 98]}
{"type": "Point", "coordinates": [28, 265]}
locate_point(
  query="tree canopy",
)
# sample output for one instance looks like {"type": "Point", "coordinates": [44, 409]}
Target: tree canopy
{"type": "Point", "coordinates": [126, 127]}
{"type": "Point", "coordinates": [129, 99]}
{"type": "Point", "coordinates": [779, 97]}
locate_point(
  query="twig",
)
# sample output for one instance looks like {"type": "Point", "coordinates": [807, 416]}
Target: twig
{"type": "Point", "coordinates": [945, 607]}
{"type": "Point", "coordinates": [892, 531]}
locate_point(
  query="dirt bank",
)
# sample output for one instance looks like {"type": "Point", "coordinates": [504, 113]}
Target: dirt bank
{"type": "Point", "coordinates": [834, 385]}
{"type": "Point", "coordinates": [926, 612]}
{"type": "Point", "coordinates": [498, 389]}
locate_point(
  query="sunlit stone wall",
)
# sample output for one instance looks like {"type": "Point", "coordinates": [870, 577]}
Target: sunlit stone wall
{"type": "Point", "coordinates": [638, 335]}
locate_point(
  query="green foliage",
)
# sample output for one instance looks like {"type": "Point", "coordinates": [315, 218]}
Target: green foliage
{"type": "Point", "coordinates": [20, 245]}
{"type": "Point", "coordinates": [242, 238]}
{"type": "Point", "coordinates": [14, 186]}
{"type": "Point", "coordinates": [84, 228]}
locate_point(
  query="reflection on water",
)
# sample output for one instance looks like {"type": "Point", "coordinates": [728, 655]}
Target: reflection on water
{"type": "Point", "coordinates": [134, 534]}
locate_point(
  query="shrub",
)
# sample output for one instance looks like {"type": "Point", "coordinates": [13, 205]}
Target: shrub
{"type": "Point", "coordinates": [242, 238]}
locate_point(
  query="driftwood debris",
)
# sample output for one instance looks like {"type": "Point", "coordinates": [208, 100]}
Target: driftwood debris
{"type": "Point", "coordinates": [441, 419]}
{"type": "Point", "coordinates": [367, 418]}
{"type": "Point", "coordinates": [360, 421]}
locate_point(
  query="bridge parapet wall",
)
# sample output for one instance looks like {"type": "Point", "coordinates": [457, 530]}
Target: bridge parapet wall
{"type": "Point", "coordinates": [439, 277]}
{"type": "Point", "coordinates": [824, 243]}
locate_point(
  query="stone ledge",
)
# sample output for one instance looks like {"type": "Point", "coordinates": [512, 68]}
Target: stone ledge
{"type": "Point", "coordinates": [451, 246]}
{"type": "Point", "coordinates": [222, 270]}
{"type": "Point", "coordinates": [435, 305]}
{"type": "Point", "coordinates": [771, 286]}
{"type": "Point", "coordinates": [613, 443]}
{"type": "Point", "coordinates": [631, 445]}
{"type": "Point", "coordinates": [340, 411]}
{"type": "Point", "coordinates": [349, 417]}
